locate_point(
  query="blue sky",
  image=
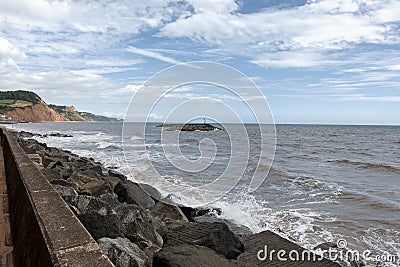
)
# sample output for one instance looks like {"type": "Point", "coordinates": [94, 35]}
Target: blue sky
{"type": "Point", "coordinates": [317, 61]}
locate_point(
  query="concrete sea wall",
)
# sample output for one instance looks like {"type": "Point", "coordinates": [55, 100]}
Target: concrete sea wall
{"type": "Point", "coordinates": [45, 232]}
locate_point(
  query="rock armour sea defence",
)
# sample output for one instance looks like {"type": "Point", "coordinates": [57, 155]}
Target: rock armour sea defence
{"type": "Point", "coordinates": [134, 229]}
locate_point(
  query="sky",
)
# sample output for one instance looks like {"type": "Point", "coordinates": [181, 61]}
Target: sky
{"type": "Point", "coordinates": [316, 61]}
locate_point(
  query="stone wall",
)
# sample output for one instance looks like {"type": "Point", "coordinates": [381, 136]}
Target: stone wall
{"type": "Point", "coordinates": [45, 232]}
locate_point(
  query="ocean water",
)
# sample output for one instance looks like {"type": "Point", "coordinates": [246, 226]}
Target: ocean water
{"type": "Point", "coordinates": [326, 182]}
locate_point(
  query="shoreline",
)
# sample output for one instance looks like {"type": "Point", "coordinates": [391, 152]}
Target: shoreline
{"type": "Point", "coordinates": [104, 200]}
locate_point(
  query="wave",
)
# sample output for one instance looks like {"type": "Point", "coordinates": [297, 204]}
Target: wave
{"type": "Point", "coordinates": [136, 138]}
{"type": "Point", "coordinates": [105, 144]}
{"type": "Point", "coordinates": [371, 201]}
{"type": "Point", "coordinates": [368, 165]}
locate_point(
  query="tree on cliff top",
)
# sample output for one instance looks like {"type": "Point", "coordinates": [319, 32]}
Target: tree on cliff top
{"type": "Point", "coordinates": [20, 95]}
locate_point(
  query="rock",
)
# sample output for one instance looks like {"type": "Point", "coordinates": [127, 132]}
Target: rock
{"type": "Point", "coordinates": [151, 191]}
{"type": "Point", "coordinates": [112, 180]}
{"type": "Point", "coordinates": [31, 146]}
{"type": "Point", "coordinates": [102, 225]}
{"type": "Point", "coordinates": [83, 176]}
{"type": "Point", "coordinates": [24, 134]}
{"type": "Point", "coordinates": [138, 226]}
{"type": "Point", "coordinates": [61, 182]}
{"type": "Point", "coordinates": [166, 212]}
{"type": "Point", "coordinates": [122, 252]}
{"type": "Point", "coordinates": [191, 256]}
{"type": "Point", "coordinates": [95, 188]}
{"type": "Point", "coordinates": [110, 199]}
{"type": "Point", "coordinates": [51, 174]}
{"type": "Point", "coordinates": [57, 135]}
{"type": "Point", "coordinates": [82, 163]}
{"type": "Point", "coordinates": [119, 175]}
{"type": "Point", "coordinates": [65, 191]}
{"type": "Point", "coordinates": [162, 228]}
{"type": "Point", "coordinates": [190, 127]}
{"type": "Point", "coordinates": [89, 183]}
{"type": "Point", "coordinates": [35, 158]}
{"type": "Point", "coordinates": [191, 213]}
{"type": "Point", "coordinates": [55, 164]}
{"type": "Point", "coordinates": [131, 193]}
{"type": "Point", "coordinates": [238, 230]}
{"type": "Point", "coordinates": [88, 204]}
{"type": "Point", "coordinates": [97, 169]}
{"type": "Point", "coordinates": [66, 173]}
{"type": "Point", "coordinates": [215, 236]}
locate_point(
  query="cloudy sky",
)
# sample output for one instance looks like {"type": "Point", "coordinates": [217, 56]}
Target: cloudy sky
{"type": "Point", "coordinates": [316, 61]}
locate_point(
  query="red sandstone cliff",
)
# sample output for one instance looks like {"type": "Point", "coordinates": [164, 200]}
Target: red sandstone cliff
{"type": "Point", "coordinates": [39, 112]}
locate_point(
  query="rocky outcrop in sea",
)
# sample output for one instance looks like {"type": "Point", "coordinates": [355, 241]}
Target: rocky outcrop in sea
{"type": "Point", "coordinates": [190, 127]}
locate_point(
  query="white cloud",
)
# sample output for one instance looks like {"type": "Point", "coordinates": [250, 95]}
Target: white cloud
{"type": "Point", "coordinates": [296, 59]}
{"type": "Point", "coordinates": [217, 6]}
{"type": "Point", "coordinates": [151, 54]}
{"type": "Point", "coordinates": [362, 97]}
{"type": "Point", "coordinates": [8, 50]}
{"type": "Point", "coordinates": [316, 28]}
{"type": "Point", "coordinates": [316, 24]}
{"type": "Point", "coordinates": [346, 97]}
{"type": "Point", "coordinates": [38, 9]}
{"type": "Point", "coordinates": [119, 115]}
{"type": "Point", "coordinates": [389, 11]}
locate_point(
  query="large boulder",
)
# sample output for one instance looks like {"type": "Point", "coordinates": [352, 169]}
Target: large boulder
{"type": "Point", "coordinates": [55, 164]}
{"type": "Point", "coordinates": [95, 188]}
{"type": "Point", "coordinates": [119, 175]}
{"type": "Point", "coordinates": [88, 204]}
{"type": "Point", "coordinates": [97, 169]}
{"type": "Point", "coordinates": [131, 193]}
{"type": "Point", "coordinates": [138, 226]}
{"type": "Point", "coordinates": [238, 230]}
{"type": "Point", "coordinates": [89, 183]}
{"type": "Point", "coordinates": [82, 163]}
{"type": "Point", "coordinates": [216, 236]}
{"type": "Point", "coordinates": [102, 225]}
{"type": "Point", "coordinates": [189, 256]}
{"type": "Point", "coordinates": [51, 174]}
{"type": "Point", "coordinates": [61, 182]}
{"type": "Point", "coordinates": [168, 213]}
{"type": "Point", "coordinates": [67, 172]}
{"type": "Point", "coordinates": [122, 252]}
{"type": "Point", "coordinates": [111, 199]}
{"type": "Point", "coordinates": [154, 193]}
{"type": "Point", "coordinates": [65, 191]}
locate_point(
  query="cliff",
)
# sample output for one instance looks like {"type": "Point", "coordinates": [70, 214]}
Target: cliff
{"type": "Point", "coordinates": [72, 114]}
{"type": "Point", "coordinates": [25, 106]}
{"type": "Point", "coordinates": [35, 113]}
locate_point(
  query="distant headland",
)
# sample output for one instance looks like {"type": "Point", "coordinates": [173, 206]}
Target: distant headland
{"type": "Point", "coordinates": [25, 106]}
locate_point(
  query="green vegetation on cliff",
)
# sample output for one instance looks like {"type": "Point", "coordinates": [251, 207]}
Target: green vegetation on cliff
{"type": "Point", "coordinates": [20, 95]}
{"type": "Point", "coordinates": [10, 100]}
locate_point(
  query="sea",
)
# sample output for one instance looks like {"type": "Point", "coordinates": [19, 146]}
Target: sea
{"type": "Point", "coordinates": [326, 183]}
